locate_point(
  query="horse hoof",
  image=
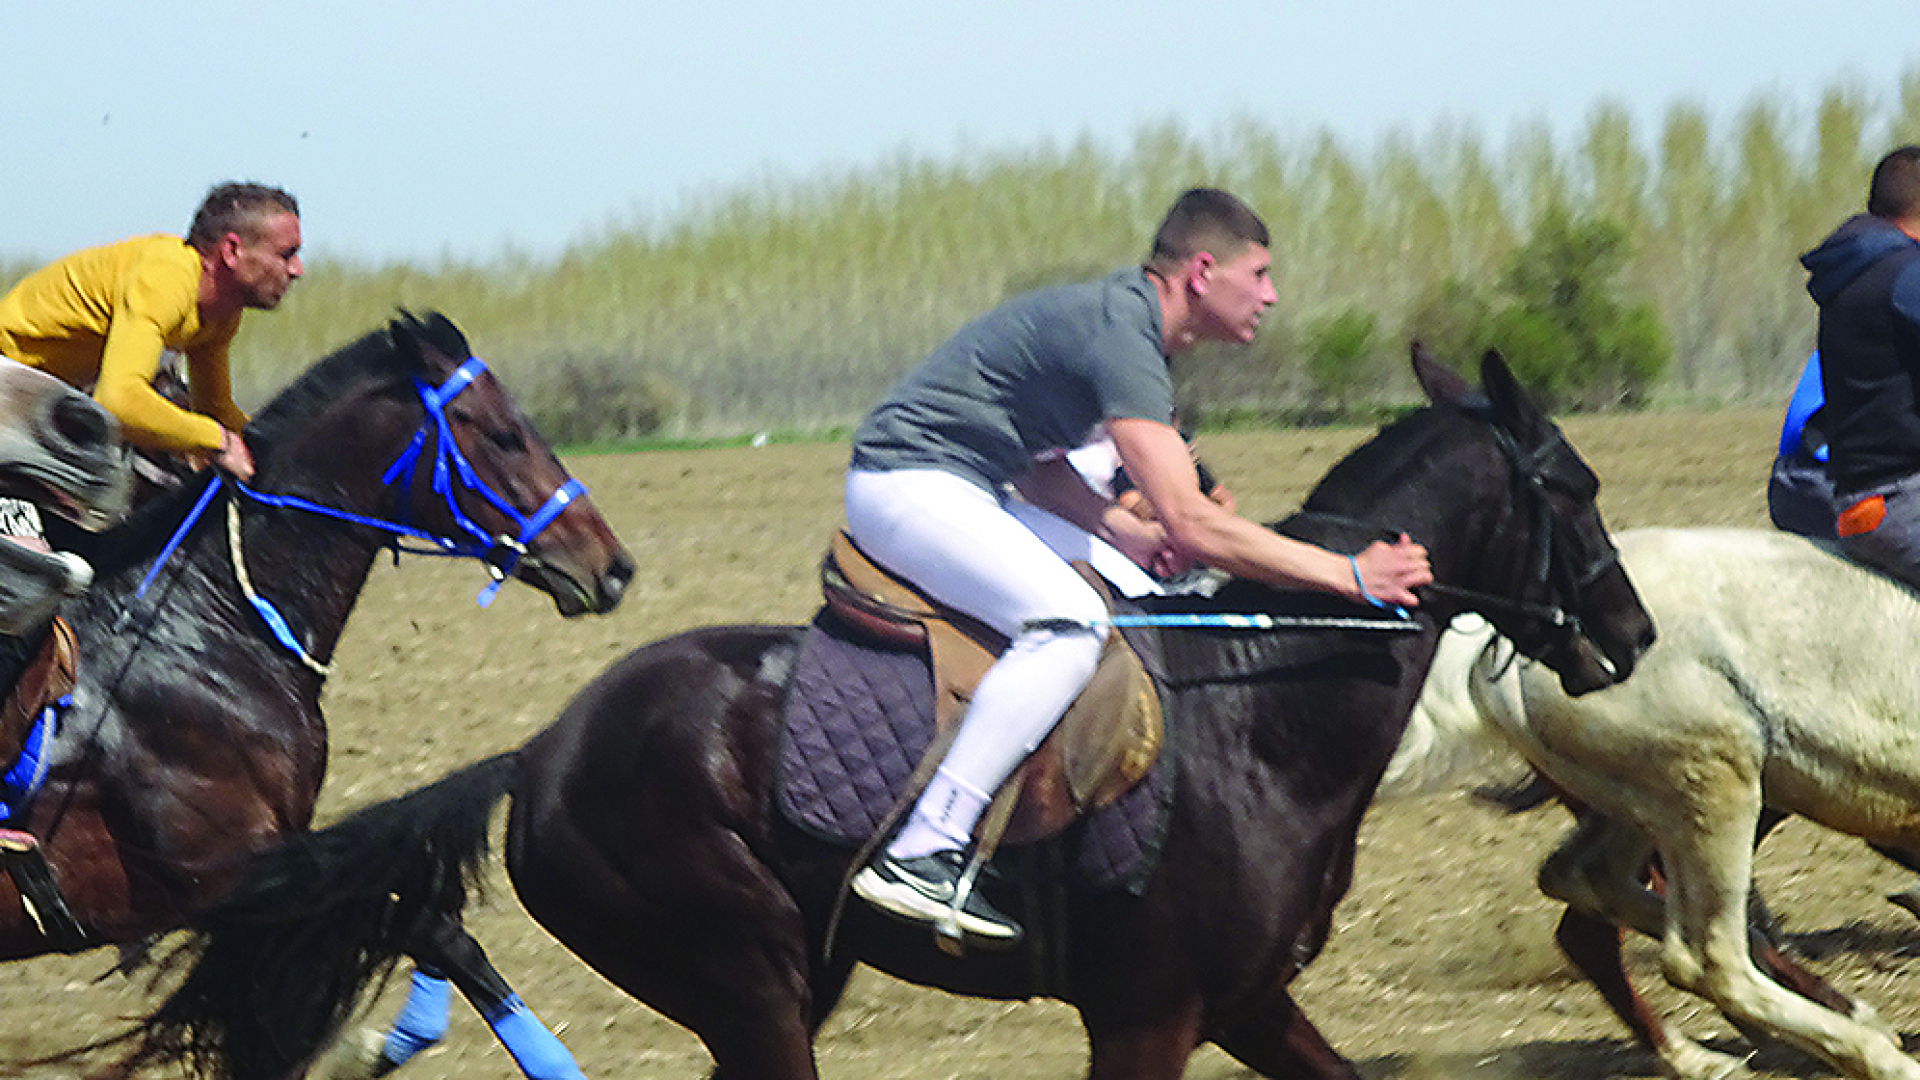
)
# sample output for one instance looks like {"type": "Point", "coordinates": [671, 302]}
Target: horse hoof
{"type": "Point", "coordinates": [1692, 1061]}
{"type": "Point", "coordinates": [358, 1055]}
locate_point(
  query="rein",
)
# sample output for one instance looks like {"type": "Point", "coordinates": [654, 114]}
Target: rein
{"type": "Point", "coordinates": [500, 553]}
{"type": "Point", "coordinates": [1529, 472]}
{"type": "Point", "coordinates": [1236, 620]}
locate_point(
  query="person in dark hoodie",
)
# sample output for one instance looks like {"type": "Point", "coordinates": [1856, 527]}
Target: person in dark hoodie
{"type": "Point", "coordinates": [1866, 280]}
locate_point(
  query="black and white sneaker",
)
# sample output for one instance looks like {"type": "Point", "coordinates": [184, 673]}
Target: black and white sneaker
{"type": "Point", "coordinates": [921, 890]}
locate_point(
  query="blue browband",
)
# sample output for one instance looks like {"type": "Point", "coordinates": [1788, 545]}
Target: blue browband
{"type": "Point", "coordinates": [501, 553]}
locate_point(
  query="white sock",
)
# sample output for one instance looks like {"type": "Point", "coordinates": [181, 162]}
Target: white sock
{"type": "Point", "coordinates": [943, 819]}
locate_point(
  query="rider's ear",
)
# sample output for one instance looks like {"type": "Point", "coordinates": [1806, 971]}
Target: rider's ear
{"type": "Point", "coordinates": [1198, 266]}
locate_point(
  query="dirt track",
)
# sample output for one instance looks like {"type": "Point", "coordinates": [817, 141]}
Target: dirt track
{"type": "Point", "coordinates": [1442, 963]}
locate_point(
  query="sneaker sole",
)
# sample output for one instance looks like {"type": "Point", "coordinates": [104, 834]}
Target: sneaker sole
{"type": "Point", "coordinates": [908, 904]}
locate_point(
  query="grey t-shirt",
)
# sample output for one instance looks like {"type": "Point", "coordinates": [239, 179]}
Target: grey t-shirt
{"type": "Point", "coordinates": [1035, 375]}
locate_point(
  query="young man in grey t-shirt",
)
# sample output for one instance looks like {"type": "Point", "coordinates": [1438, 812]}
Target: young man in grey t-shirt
{"type": "Point", "coordinates": [997, 407]}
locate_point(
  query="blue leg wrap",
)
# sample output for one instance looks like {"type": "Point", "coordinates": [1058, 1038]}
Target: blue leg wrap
{"type": "Point", "coordinates": [422, 1020]}
{"type": "Point", "coordinates": [535, 1049]}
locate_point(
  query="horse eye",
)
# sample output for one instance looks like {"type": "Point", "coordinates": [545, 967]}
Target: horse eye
{"type": "Point", "coordinates": [510, 441]}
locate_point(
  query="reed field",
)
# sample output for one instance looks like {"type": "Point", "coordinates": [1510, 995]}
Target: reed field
{"type": "Point", "coordinates": [789, 304]}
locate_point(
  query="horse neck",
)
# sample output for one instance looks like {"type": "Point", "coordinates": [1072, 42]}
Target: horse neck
{"type": "Point", "coordinates": [1452, 489]}
{"type": "Point", "coordinates": [309, 566]}
{"type": "Point", "coordinates": [310, 560]}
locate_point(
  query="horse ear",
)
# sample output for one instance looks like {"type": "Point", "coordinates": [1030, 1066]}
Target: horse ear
{"type": "Point", "coordinates": [440, 331]}
{"type": "Point", "coordinates": [1515, 410]}
{"type": "Point", "coordinates": [425, 338]}
{"type": "Point", "coordinates": [405, 330]}
{"type": "Point", "coordinates": [1443, 385]}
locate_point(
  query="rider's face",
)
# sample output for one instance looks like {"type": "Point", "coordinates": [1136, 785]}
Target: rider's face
{"type": "Point", "coordinates": [266, 264]}
{"type": "Point", "coordinates": [1233, 293]}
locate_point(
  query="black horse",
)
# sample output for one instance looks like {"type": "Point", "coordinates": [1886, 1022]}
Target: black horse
{"type": "Point", "coordinates": [195, 737]}
{"type": "Point", "coordinates": [644, 832]}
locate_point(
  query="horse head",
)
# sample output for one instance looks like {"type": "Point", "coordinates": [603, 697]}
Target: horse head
{"type": "Point", "coordinates": [1558, 590]}
{"type": "Point", "coordinates": [61, 452]}
{"type": "Point", "coordinates": [508, 490]}
{"type": "Point", "coordinates": [456, 459]}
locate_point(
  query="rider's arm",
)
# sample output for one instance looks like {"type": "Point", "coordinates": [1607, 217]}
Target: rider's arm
{"type": "Point", "coordinates": [155, 298]}
{"type": "Point", "coordinates": [1201, 530]}
{"type": "Point", "coordinates": [210, 379]}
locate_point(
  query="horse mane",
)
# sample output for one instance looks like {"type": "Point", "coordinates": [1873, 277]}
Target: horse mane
{"type": "Point", "coordinates": [377, 353]}
{"type": "Point", "coordinates": [1408, 444]}
{"type": "Point", "coordinates": [392, 349]}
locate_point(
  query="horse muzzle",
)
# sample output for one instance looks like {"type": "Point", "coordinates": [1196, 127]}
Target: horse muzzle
{"type": "Point", "coordinates": [575, 588]}
{"type": "Point", "coordinates": [1587, 663]}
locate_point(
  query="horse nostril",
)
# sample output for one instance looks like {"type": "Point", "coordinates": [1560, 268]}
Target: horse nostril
{"type": "Point", "coordinates": [613, 585]}
{"type": "Point", "coordinates": [80, 422]}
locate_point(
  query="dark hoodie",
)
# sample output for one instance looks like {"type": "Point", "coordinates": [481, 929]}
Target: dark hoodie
{"type": "Point", "coordinates": [1866, 279]}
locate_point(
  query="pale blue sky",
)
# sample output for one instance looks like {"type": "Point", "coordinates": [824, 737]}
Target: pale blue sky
{"type": "Point", "coordinates": [422, 128]}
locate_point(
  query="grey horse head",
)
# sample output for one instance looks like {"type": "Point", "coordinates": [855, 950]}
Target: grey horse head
{"type": "Point", "coordinates": [61, 452]}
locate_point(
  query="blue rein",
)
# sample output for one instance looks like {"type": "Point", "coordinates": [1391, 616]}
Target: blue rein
{"type": "Point", "coordinates": [500, 553]}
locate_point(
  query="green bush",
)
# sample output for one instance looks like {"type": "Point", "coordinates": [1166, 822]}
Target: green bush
{"type": "Point", "coordinates": [595, 398]}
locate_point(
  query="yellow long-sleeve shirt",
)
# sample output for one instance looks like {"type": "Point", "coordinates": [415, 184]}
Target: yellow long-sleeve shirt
{"type": "Point", "coordinates": [101, 319]}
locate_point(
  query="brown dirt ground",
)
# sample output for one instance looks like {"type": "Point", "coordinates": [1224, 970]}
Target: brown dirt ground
{"type": "Point", "coordinates": [1442, 964]}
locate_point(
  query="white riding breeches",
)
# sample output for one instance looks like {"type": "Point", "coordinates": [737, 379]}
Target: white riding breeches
{"type": "Point", "coordinates": [959, 545]}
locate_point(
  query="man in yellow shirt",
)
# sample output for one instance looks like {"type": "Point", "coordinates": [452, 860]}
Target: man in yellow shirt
{"type": "Point", "coordinates": [102, 319]}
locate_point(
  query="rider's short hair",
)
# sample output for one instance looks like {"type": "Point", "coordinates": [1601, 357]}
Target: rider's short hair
{"type": "Point", "coordinates": [237, 207]}
{"type": "Point", "coordinates": [1209, 220]}
{"type": "Point", "coordinates": [1895, 191]}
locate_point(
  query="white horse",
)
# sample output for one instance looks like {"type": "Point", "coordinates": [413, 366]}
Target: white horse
{"type": "Point", "coordinates": [1783, 677]}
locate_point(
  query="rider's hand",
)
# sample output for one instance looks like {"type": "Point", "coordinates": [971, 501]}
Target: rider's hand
{"type": "Point", "coordinates": [1139, 539]}
{"type": "Point", "coordinates": [234, 458]}
{"type": "Point", "coordinates": [1390, 572]}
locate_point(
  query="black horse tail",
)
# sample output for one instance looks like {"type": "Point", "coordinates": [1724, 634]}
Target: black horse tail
{"type": "Point", "coordinates": [276, 969]}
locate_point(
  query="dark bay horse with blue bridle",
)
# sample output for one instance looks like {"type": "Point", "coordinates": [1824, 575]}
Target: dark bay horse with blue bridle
{"type": "Point", "coordinates": [644, 832]}
{"type": "Point", "coordinates": [195, 735]}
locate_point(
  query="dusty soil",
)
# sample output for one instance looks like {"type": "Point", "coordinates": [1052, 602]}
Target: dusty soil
{"type": "Point", "coordinates": [1442, 963]}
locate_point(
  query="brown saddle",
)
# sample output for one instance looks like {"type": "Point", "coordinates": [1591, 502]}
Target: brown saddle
{"type": "Point", "coordinates": [47, 678]}
{"type": "Point", "coordinates": [1104, 744]}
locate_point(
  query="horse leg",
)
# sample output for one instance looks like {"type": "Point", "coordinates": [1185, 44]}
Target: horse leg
{"type": "Point", "coordinates": [447, 947]}
{"type": "Point", "coordinates": [1908, 899]}
{"type": "Point", "coordinates": [713, 942]}
{"type": "Point", "coordinates": [1149, 1049]}
{"type": "Point", "coordinates": [1593, 945]}
{"type": "Point", "coordinates": [447, 956]}
{"type": "Point", "coordinates": [1596, 871]}
{"type": "Point", "coordinates": [369, 1054]}
{"type": "Point", "coordinates": [1279, 1040]}
{"type": "Point", "coordinates": [1709, 865]}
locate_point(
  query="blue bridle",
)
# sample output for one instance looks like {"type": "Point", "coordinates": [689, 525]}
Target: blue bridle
{"type": "Point", "coordinates": [501, 553]}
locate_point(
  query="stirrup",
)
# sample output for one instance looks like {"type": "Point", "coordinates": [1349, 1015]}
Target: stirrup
{"type": "Point", "coordinates": [946, 930]}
